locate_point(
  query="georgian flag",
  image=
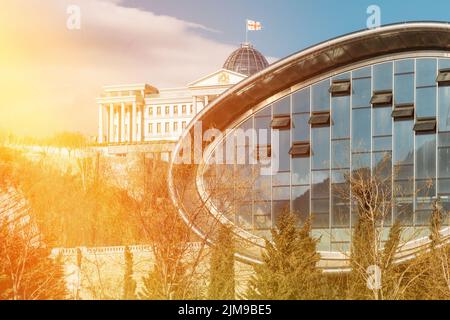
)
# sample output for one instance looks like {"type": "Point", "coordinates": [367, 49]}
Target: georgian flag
{"type": "Point", "coordinates": [253, 25]}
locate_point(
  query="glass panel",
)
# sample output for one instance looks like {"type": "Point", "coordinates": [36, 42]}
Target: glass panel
{"type": "Point", "coordinates": [382, 76]}
{"type": "Point", "coordinates": [362, 93]}
{"type": "Point", "coordinates": [403, 211]}
{"type": "Point", "coordinates": [382, 121]}
{"type": "Point", "coordinates": [300, 171]}
{"type": "Point", "coordinates": [282, 106]}
{"type": "Point", "coordinates": [300, 201]}
{"type": "Point", "coordinates": [340, 151]}
{"type": "Point", "coordinates": [320, 213]}
{"type": "Point", "coordinates": [444, 108]}
{"type": "Point", "coordinates": [444, 187]}
{"type": "Point", "coordinates": [266, 112]}
{"type": "Point", "coordinates": [301, 101]}
{"type": "Point", "coordinates": [361, 161]}
{"type": "Point", "coordinates": [426, 72]}
{"type": "Point", "coordinates": [263, 131]}
{"type": "Point", "coordinates": [262, 190]}
{"type": "Point", "coordinates": [280, 158]}
{"type": "Point", "coordinates": [321, 148]}
{"type": "Point", "coordinates": [281, 179]}
{"type": "Point", "coordinates": [244, 216]}
{"type": "Point", "coordinates": [444, 162]}
{"type": "Point", "coordinates": [382, 143]}
{"type": "Point", "coordinates": [301, 127]}
{"type": "Point", "coordinates": [339, 176]}
{"type": "Point", "coordinates": [444, 64]}
{"type": "Point", "coordinates": [426, 156]}
{"type": "Point", "coordinates": [444, 139]}
{"type": "Point", "coordinates": [403, 142]}
{"type": "Point", "coordinates": [382, 164]}
{"type": "Point", "coordinates": [361, 134]}
{"type": "Point", "coordinates": [320, 184]}
{"type": "Point", "coordinates": [404, 66]}
{"type": "Point", "coordinates": [340, 207]}
{"type": "Point", "coordinates": [426, 102]}
{"type": "Point", "coordinates": [262, 208]}
{"type": "Point", "coordinates": [404, 89]}
{"type": "Point", "coordinates": [340, 111]}
{"type": "Point", "coordinates": [321, 96]}
{"type": "Point", "coordinates": [362, 73]}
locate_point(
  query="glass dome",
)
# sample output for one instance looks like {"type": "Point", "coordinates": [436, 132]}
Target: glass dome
{"type": "Point", "coordinates": [246, 60]}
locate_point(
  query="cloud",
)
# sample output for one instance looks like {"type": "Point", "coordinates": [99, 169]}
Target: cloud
{"type": "Point", "coordinates": [51, 75]}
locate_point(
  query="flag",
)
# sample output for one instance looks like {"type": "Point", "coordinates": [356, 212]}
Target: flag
{"type": "Point", "coordinates": [253, 25]}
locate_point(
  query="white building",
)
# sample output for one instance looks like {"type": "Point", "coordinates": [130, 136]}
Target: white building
{"type": "Point", "coordinates": [141, 117]}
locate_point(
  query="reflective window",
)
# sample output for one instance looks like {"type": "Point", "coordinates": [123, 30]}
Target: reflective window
{"type": "Point", "coordinates": [360, 161]}
{"type": "Point", "coordinates": [262, 127]}
{"type": "Point", "coordinates": [340, 153]}
{"type": "Point", "coordinates": [444, 108]}
{"type": "Point", "coordinates": [362, 93]}
{"type": "Point", "coordinates": [382, 123]}
{"type": "Point", "coordinates": [425, 156]}
{"type": "Point", "coordinates": [361, 132]}
{"type": "Point", "coordinates": [404, 66]}
{"type": "Point", "coordinates": [403, 142]}
{"type": "Point", "coordinates": [320, 148]}
{"type": "Point", "coordinates": [280, 155]}
{"type": "Point", "coordinates": [444, 162]}
{"type": "Point", "coordinates": [301, 127]}
{"type": "Point", "coordinates": [282, 106]}
{"type": "Point", "coordinates": [340, 113]}
{"type": "Point", "coordinates": [426, 72]}
{"type": "Point", "coordinates": [301, 101]}
{"type": "Point", "coordinates": [426, 102]}
{"type": "Point", "coordinates": [321, 96]}
{"type": "Point", "coordinates": [362, 73]}
{"type": "Point", "coordinates": [404, 89]}
{"type": "Point", "coordinates": [300, 171]}
{"type": "Point", "coordinates": [320, 184]}
{"type": "Point", "coordinates": [382, 76]}
{"type": "Point", "coordinates": [300, 201]}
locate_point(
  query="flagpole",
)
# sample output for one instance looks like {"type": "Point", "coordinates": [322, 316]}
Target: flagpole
{"type": "Point", "coordinates": [246, 31]}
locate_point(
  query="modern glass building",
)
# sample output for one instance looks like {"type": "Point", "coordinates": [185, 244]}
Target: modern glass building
{"type": "Point", "coordinates": [376, 100]}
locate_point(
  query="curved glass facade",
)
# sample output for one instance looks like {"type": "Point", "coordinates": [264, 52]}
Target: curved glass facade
{"type": "Point", "coordinates": [391, 118]}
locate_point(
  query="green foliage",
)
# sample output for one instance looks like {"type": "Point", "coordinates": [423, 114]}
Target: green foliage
{"type": "Point", "coordinates": [289, 268]}
{"type": "Point", "coordinates": [222, 277]}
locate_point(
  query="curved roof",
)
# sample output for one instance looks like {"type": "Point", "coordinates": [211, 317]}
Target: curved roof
{"type": "Point", "coordinates": [246, 60]}
{"type": "Point", "coordinates": [302, 66]}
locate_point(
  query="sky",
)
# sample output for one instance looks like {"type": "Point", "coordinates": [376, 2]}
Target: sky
{"type": "Point", "coordinates": [50, 75]}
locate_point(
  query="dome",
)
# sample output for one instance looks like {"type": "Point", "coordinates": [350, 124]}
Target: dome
{"type": "Point", "coordinates": [246, 60]}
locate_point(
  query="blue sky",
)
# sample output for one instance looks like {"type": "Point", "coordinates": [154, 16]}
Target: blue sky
{"type": "Point", "coordinates": [290, 25]}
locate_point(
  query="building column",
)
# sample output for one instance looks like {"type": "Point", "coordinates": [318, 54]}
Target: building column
{"type": "Point", "coordinates": [100, 124]}
{"type": "Point", "coordinates": [111, 124]}
{"type": "Point", "coordinates": [194, 102]}
{"type": "Point", "coordinates": [141, 127]}
{"type": "Point", "coordinates": [133, 123]}
{"type": "Point", "coordinates": [122, 123]}
{"type": "Point", "coordinates": [206, 101]}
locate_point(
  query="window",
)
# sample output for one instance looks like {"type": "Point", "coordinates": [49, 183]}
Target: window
{"type": "Point", "coordinates": [424, 125]}
{"type": "Point", "coordinates": [192, 108]}
{"type": "Point", "coordinates": [340, 110]}
{"type": "Point", "coordinates": [362, 92]}
{"type": "Point", "coordinates": [340, 151]}
{"type": "Point", "coordinates": [158, 127]}
{"type": "Point", "coordinates": [444, 108]}
{"type": "Point", "coordinates": [167, 110]}
{"type": "Point", "coordinates": [281, 122]}
{"type": "Point", "coordinates": [426, 102]}
{"type": "Point", "coordinates": [183, 125]}
{"type": "Point", "coordinates": [321, 96]}
{"type": "Point", "coordinates": [340, 88]}
{"type": "Point", "coordinates": [403, 111]}
{"type": "Point", "coordinates": [443, 77]}
{"type": "Point", "coordinates": [301, 101]}
{"type": "Point", "coordinates": [175, 126]}
{"type": "Point", "coordinates": [150, 111]}
{"type": "Point", "coordinates": [263, 152]}
{"type": "Point", "coordinates": [320, 119]}
{"type": "Point", "coordinates": [382, 76]}
{"type": "Point", "coordinates": [167, 127]}
{"type": "Point", "coordinates": [300, 149]}
{"type": "Point", "coordinates": [381, 98]}
{"type": "Point", "coordinates": [403, 142]}
{"type": "Point", "coordinates": [150, 128]}
{"type": "Point", "coordinates": [426, 157]}
{"type": "Point", "coordinates": [175, 110]}
{"type": "Point", "coordinates": [320, 143]}
{"type": "Point", "coordinates": [404, 88]}
{"type": "Point", "coordinates": [361, 130]}
{"type": "Point", "coordinates": [300, 171]}
{"type": "Point", "coordinates": [158, 111]}
{"type": "Point", "coordinates": [300, 127]}
{"type": "Point", "coordinates": [426, 72]}
{"type": "Point", "coordinates": [183, 109]}
{"type": "Point", "coordinates": [382, 124]}
{"type": "Point", "coordinates": [282, 106]}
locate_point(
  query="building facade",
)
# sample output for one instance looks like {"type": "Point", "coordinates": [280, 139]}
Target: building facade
{"type": "Point", "coordinates": [376, 100]}
{"type": "Point", "coordinates": [139, 114]}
